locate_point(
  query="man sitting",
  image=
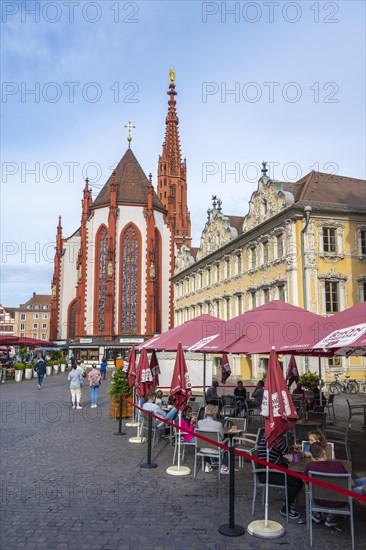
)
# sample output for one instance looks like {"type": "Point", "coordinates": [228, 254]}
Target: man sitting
{"type": "Point", "coordinates": [257, 396]}
{"type": "Point", "coordinates": [151, 406]}
{"type": "Point", "coordinates": [211, 394]}
{"type": "Point", "coordinates": [320, 463]}
{"type": "Point", "coordinates": [209, 424]}
{"type": "Point", "coordinates": [240, 394]}
{"type": "Point", "coordinates": [299, 391]}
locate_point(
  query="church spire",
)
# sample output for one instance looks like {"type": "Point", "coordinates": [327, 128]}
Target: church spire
{"type": "Point", "coordinates": [172, 170]}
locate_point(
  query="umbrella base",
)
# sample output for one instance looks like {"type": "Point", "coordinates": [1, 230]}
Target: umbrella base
{"type": "Point", "coordinates": [149, 465]}
{"type": "Point", "coordinates": [178, 470]}
{"type": "Point", "coordinates": [137, 440]}
{"type": "Point", "coordinates": [131, 424]}
{"type": "Point", "coordinates": [273, 530]}
{"type": "Point", "coordinates": [235, 531]}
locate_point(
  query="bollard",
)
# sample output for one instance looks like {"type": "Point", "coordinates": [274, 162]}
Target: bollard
{"type": "Point", "coordinates": [120, 432]}
{"type": "Point", "coordinates": [149, 464]}
{"type": "Point", "coordinates": [231, 529]}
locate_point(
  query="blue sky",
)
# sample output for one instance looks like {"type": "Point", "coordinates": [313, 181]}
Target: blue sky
{"type": "Point", "coordinates": [108, 62]}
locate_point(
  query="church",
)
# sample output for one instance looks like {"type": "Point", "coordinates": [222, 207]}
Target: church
{"type": "Point", "coordinates": [111, 284]}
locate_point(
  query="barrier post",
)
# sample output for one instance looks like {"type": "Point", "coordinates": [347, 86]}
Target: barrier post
{"type": "Point", "coordinates": [231, 529]}
{"type": "Point", "coordinates": [149, 464]}
{"type": "Point", "coordinates": [120, 432]}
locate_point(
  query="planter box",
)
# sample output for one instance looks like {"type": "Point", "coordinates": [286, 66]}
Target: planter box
{"type": "Point", "coordinates": [56, 369]}
{"type": "Point", "coordinates": [18, 375]}
{"type": "Point", "coordinates": [49, 370]}
{"type": "Point", "coordinates": [127, 409]}
{"type": "Point", "coordinates": [28, 374]}
{"type": "Point", "coordinates": [63, 367]}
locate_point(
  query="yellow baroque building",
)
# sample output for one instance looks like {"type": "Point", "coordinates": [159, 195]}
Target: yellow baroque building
{"type": "Point", "coordinates": [303, 243]}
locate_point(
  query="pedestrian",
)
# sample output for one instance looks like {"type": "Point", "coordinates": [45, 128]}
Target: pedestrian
{"type": "Point", "coordinates": [5, 364]}
{"type": "Point", "coordinates": [40, 369]}
{"type": "Point", "coordinates": [95, 380]}
{"type": "Point", "coordinates": [103, 367]}
{"type": "Point", "coordinates": [75, 378]}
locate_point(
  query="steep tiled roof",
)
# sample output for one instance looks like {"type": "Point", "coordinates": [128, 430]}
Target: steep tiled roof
{"type": "Point", "coordinates": [237, 223]}
{"type": "Point", "coordinates": [131, 184]}
{"type": "Point", "coordinates": [38, 300]}
{"type": "Point", "coordinates": [338, 193]}
{"type": "Point", "coordinates": [194, 250]}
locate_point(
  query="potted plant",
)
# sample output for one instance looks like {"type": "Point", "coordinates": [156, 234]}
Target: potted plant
{"type": "Point", "coordinates": [28, 371]}
{"type": "Point", "coordinates": [308, 379]}
{"type": "Point", "coordinates": [56, 366]}
{"type": "Point", "coordinates": [49, 366]}
{"type": "Point", "coordinates": [63, 363]}
{"type": "Point", "coordinates": [18, 371]}
{"type": "Point", "coordinates": [119, 387]}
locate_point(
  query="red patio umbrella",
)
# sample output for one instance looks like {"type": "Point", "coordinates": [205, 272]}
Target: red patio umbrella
{"type": "Point", "coordinates": [181, 384]}
{"type": "Point", "coordinates": [144, 380]}
{"type": "Point", "coordinates": [25, 341]}
{"type": "Point", "coordinates": [225, 368]}
{"type": "Point", "coordinates": [277, 405]}
{"type": "Point", "coordinates": [274, 324]}
{"type": "Point", "coordinates": [130, 367]}
{"type": "Point", "coordinates": [190, 334]}
{"type": "Point", "coordinates": [154, 367]}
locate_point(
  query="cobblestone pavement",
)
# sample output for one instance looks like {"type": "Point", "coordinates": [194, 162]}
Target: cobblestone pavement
{"type": "Point", "coordinates": [69, 483]}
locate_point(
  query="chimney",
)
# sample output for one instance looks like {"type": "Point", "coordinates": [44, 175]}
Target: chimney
{"type": "Point", "coordinates": [34, 294]}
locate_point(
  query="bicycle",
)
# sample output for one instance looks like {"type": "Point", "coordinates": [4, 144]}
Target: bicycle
{"type": "Point", "coordinates": [343, 386]}
{"type": "Point", "coordinates": [363, 387]}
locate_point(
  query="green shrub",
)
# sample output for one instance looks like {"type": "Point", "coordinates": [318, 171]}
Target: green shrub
{"type": "Point", "coordinates": [308, 379]}
{"type": "Point", "coordinates": [120, 385]}
{"type": "Point", "coordinates": [19, 366]}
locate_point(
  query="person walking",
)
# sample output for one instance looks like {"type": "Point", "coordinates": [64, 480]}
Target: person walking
{"type": "Point", "coordinates": [103, 367]}
{"type": "Point", "coordinates": [5, 363]}
{"type": "Point", "coordinates": [95, 380]}
{"type": "Point", "coordinates": [40, 369]}
{"type": "Point", "coordinates": [75, 378]}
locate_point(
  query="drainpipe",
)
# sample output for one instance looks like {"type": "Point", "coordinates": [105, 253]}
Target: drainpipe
{"type": "Point", "coordinates": [307, 212]}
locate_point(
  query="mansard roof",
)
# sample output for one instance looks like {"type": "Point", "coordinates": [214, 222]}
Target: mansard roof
{"type": "Point", "coordinates": [131, 185]}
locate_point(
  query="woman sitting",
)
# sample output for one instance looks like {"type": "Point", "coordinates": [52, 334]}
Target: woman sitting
{"type": "Point", "coordinates": [187, 423]}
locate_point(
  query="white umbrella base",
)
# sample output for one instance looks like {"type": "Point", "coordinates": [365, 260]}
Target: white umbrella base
{"type": "Point", "coordinates": [178, 470]}
{"type": "Point", "coordinates": [131, 424]}
{"type": "Point", "coordinates": [137, 440]}
{"type": "Point", "coordinates": [273, 530]}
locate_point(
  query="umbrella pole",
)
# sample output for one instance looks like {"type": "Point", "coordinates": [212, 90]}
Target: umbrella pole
{"type": "Point", "coordinates": [320, 380]}
{"type": "Point", "coordinates": [139, 437]}
{"type": "Point", "coordinates": [204, 377]}
{"type": "Point", "coordinates": [266, 502]}
{"type": "Point", "coordinates": [134, 420]}
{"type": "Point", "coordinates": [178, 470]}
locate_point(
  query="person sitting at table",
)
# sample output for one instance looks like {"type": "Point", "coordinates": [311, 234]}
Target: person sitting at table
{"type": "Point", "coordinates": [211, 394]}
{"type": "Point", "coordinates": [187, 422]}
{"type": "Point", "coordinates": [299, 391]}
{"type": "Point", "coordinates": [318, 437]}
{"type": "Point", "coordinates": [294, 485]}
{"type": "Point", "coordinates": [209, 424]}
{"type": "Point", "coordinates": [151, 406]}
{"type": "Point", "coordinates": [159, 398]}
{"type": "Point", "coordinates": [321, 463]}
{"type": "Point", "coordinates": [316, 390]}
{"type": "Point", "coordinates": [240, 394]}
{"type": "Point", "coordinates": [257, 396]}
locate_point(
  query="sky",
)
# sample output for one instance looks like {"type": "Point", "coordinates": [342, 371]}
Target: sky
{"type": "Point", "coordinates": [282, 82]}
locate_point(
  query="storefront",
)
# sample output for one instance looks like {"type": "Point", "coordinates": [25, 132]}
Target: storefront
{"type": "Point", "coordinates": [94, 349]}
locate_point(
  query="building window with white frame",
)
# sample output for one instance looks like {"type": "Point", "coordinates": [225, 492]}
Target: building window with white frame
{"type": "Point", "coordinates": [227, 267]}
{"type": "Point", "coordinates": [22, 326]}
{"type": "Point", "coordinates": [253, 257]}
{"type": "Point", "coordinates": [227, 308]}
{"type": "Point", "coordinates": [266, 295]}
{"type": "Point", "coordinates": [44, 336]}
{"type": "Point", "coordinates": [329, 240]}
{"type": "Point", "coordinates": [35, 315]}
{"type": "Point", "coordinates": [208, 276]}
{"type": "Point", "coordinates": [279, 242]}
{"type": "Point", "coordinates": [265, 247]}
{"type": "Point", "coordinates": [363, 241]}
{"type": "Point", "coordinates": [44, 325]}
{"type": "Point", "coordinates": [35, 325]}
{"type": "Point", "coordinates": [45, 316]}
{"type": "Point", "coordinates": [281, 293]}
{"type": "Point", "coordinates": [253, 299]}
{"type": "Point", "coordinates": [240, 303]}
{"type": "Point", "coordinates": [331, 296]}
{"type": "Point", "coordinates": [22, 316]}
{"type": "Point", "coordinates": [217, 272]}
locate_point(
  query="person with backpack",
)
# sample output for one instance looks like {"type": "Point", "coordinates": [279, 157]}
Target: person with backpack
{"type": "Point", "coordinates": [95, 380]}
{"type": "Point", "coordinates": [40, 369]}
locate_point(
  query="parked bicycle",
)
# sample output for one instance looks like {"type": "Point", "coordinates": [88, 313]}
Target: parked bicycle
{"type": "Point", "coordinates": [343, 386]}
{"type": "Point", "coordinates": [363, 387]}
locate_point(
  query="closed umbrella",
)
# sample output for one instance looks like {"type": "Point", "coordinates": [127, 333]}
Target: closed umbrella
{"type": "Point", "coordinates": [144, 379]}
{"type": "Point", "coordinates": [280, 413]}
{"type": "Point", "coordinates": [225, 368]}
{"type": "Point", "coordinates": [292, 373]}
{"type": "Point", "coordinates": [181, 391]}
{"type": "Point", "coordinates": [155, 369]}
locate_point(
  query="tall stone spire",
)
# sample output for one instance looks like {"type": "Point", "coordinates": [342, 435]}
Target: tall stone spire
{"type": "Point", "coordinates": [55, 285]}
{"type": "Point", "coordinates": [172, 171]}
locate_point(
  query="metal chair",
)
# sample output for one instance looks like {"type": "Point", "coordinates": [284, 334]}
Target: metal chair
{"type": "Point", "coordinates": [156, 429]}
{"type": "Point", "coordinates": [228, 406]}
{"type": "Point", "coordinates": [356, 410]}
{"type": "Point", "coordinates": [330, 407]}
{"type": "Point", "coordinates": [183, 443]}
{"type": "Point", "coordinates": [330, 451]}
{"type": "Point", "coordinates": [317, 493]}
{"type": "Point", "coordinates": [340, 437]}
{"type": "Point", "coordinates": [301, 430]}
{"type": "Point", "coordinates": [258, 484]}
{"type": "Point", "coordinates": [206, 449]}
{"type": "Point", "coordinates": [319, 417]}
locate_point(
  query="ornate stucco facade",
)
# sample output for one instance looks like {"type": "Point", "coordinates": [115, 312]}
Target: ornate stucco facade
{"type": "Point", "coordinates": [303, 243]}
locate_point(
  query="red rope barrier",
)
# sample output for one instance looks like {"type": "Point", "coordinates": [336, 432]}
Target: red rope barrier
{"type": "Point", "coordinates": [273, 466]}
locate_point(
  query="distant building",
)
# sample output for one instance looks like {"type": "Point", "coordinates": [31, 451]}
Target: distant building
{"type": "Point", "coordinates": [303, 243]}
{"type": "Point", "coordinates": [6, 320]}
{"type": "Point", "coordinates": [32, 319]}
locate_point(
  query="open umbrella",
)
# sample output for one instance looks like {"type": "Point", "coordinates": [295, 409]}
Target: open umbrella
{"type": "Point", "coordinates": [180, 391]}
{"type": "Point", "coordinates": [225, 368]}
{"type": "Point", "coordinates": [280, 413]}
{"type": "Point", "coordinates": [144, 380]}
{"type": "Point", "coordinates": [154, 367]}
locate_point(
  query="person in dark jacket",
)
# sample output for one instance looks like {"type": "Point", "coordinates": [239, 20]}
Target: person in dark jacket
{"type": "Point", "coordinates": [40, 369]}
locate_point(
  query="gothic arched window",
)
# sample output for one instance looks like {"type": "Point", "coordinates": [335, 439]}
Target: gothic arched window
{"type": "Point", "coordinates": [130, 251]}
{"type": "Point", "coordinates": [72, 319]}
{"type": "Point", "coordinates": [101, 277]}
{"type": "Point", "coordinates": [157, 296]}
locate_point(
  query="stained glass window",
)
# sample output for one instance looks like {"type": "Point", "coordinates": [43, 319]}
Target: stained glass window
{"type": "Point", "coordinates": [130, 257]}
{"type": "Point", "coordinates": [72, 320]}
{"type": "Point", "coordinates": [157, 284]}
{"type": "Point", "coordinates": [102, 277]}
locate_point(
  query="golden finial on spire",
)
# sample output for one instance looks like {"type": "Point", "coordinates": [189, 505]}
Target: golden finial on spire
{"type": "Point", "coordinates": [172, 76]}
{"type": "Point", "coordinates": [129, 137]}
